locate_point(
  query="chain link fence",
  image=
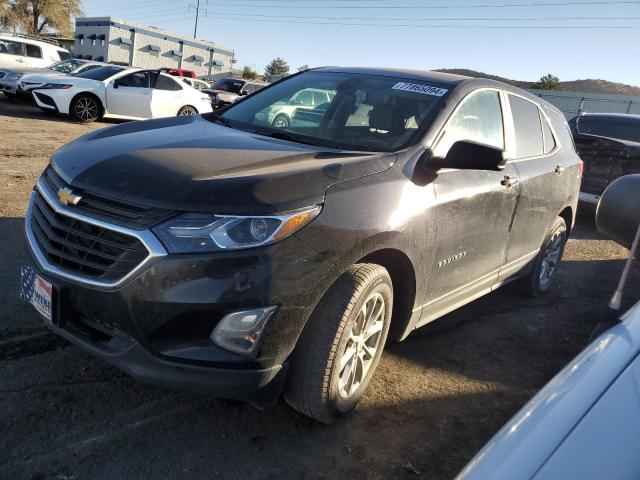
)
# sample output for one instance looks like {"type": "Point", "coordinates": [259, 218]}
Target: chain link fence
{"type": "Point", "coordinates": [572, 103]}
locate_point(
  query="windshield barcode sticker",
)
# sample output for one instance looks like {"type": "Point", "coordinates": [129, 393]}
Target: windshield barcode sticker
{"type": "Point", "coordinates": [416, 87]}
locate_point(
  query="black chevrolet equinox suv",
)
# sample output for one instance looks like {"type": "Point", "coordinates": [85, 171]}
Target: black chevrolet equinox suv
{"type": "Point", "coordinates": [249, 259]}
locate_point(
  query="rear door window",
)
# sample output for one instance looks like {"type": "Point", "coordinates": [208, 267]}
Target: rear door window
{"type": "Point", "coordinates": [166, 83]}
{"type": "Point", "coordinates": [33, 51]}
{"type": "Point", "coordinates": [528, 129]}
{"type": "Point", "coordinates": [63, 54]}
{"type": "Point", "coordinates": [478, 119]}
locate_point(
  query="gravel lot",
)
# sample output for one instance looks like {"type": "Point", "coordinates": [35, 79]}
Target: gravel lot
{"type": "Point", "coordinates": [435, 400]}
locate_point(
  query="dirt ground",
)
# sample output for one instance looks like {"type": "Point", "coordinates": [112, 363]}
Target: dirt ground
{"type": "Point", "coordinates": [434, 401]}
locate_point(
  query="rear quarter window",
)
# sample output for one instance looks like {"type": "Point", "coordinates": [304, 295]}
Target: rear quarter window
{"type": "Point", "coordinates": [33, 51]}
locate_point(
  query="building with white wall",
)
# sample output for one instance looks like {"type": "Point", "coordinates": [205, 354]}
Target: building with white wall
{"type": "Point", "coordinates": [121, 42]}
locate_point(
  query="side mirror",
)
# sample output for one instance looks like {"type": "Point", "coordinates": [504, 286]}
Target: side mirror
{"type": "Point", "coordinates": [116, 83]}
{"type": "Point", "coordinates": [618, 214]}
{"type": "Point", "coordinates": [466, 154]}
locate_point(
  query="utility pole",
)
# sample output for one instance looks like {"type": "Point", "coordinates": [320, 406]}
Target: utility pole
{"type": "Point", "coordinates": [195, 30]}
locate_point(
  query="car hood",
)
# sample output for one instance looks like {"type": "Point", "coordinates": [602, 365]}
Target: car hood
{"type": "Point", "coordinates": [54, 77]}
{"type": "Point", "coordinates": [191, 164]}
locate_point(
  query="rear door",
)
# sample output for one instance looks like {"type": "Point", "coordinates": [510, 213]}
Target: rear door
{"type": "Point", "coordinates": [474, 208]}
{"type": "Point", "coordinates": [543, 181]}
{"type": "Point", "coordinates": [167, 97]}
{"type": "Point", "coordinates": [34, 58]}
{"type": "Point", "coordinates": [131, 96]}
{"type": "Point", "coordinates": [12, 54]}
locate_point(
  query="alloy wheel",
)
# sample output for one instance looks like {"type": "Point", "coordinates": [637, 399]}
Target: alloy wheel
{"type": "Point", "coordinates": [550, 259]}
{"type": "Point", "coordinates": [86, 108]}
{"type": "Point", "coordinates": [362, 345]}
{"type": "Point", "coordinates": [188, 111]}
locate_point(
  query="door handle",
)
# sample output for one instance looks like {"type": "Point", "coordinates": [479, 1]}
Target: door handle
{"type": "Point", "coordinates": [559, 168]}
{"type": "Point", "coordinates": [508, 181]}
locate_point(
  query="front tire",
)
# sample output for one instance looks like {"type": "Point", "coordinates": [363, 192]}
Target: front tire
{"type": "Point", "coordinates": [341, 345]}
{"type": "Point", "coordinates": [85, 109]}
{"type": "Point", "coordinates": [540, 279]}
{"type": "Point", "coordinates": [281, 121]}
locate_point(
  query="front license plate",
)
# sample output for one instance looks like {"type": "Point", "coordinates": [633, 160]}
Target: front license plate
{"type": "Point", "coordinates": [37, 291]}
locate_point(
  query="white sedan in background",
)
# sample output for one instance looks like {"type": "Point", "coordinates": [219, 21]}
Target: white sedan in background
{"type": "Point", "coordinates": [118, 92]}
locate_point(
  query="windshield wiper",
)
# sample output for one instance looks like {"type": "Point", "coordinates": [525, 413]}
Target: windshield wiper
{"type": "Point", "coordinates": [283, 135]}
{"type": "Point", "coordinates": [219, 118]}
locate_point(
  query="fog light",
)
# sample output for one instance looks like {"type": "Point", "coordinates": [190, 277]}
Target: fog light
{"type": "Point", "coordinates": [240, 332]}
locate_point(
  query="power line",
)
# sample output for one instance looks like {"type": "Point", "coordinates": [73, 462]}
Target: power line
{"type": "Point", "coordinates": [501, 19]}
{"type": "Point", "coordinates": [489, 27]}
{"type": "Point", "coordinates": [422, 7]}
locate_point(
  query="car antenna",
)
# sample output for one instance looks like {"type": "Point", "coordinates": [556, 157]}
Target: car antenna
{"type": "Point", "coordinates": [616, 299]}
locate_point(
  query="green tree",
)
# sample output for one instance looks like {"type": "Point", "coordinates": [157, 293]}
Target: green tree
{"type": "Point", "coordinates": [39, 16]}
{"type": "Point", "coordinates": [248, 72]}
{"type": "Point", "coordinates": [304, 67]}
{"type": "Point", "coordinates": [548, 82]}
{"type": "Point", "coordinates": [277, 66]}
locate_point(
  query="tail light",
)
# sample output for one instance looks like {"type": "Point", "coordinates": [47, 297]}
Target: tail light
{"type": "Point", "coordinates": [581, 163]}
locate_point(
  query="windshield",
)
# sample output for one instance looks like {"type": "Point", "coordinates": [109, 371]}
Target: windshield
{"type": "Point", "coordinates": [228, 85]}
{"type": "Point", "coordinates": [341, 110]}
{"type": "Point", "coordinates": [611, 127]}
{"type": "Point", "coordinates": [100, 73]}
{"type": "Point", "coordinates": [65, 66]}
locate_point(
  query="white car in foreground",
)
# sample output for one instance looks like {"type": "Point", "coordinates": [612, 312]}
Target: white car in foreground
{"type": "Point", "coordinates": [585, 423]}
{"type": "Point", "coordinates": [117, 92]}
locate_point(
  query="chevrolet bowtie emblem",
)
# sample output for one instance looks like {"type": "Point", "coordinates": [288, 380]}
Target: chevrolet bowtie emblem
{"type": "Point", "coordinates": [66, 197]}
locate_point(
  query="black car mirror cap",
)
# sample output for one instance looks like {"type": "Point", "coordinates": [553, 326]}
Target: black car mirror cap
{"type": "Point", "coordinates": [116, 83]}
{"type": "Point", "coordinates": [470, 155]}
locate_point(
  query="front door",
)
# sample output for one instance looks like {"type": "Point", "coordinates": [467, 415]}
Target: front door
{"type": "Point", "coordinates": [12, 54]}
{"type": "Point", "coordinates": [474, 209]}
{"type": "Point", "coordinates": [130, 96]}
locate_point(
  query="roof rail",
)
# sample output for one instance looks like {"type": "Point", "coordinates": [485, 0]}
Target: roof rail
{"type": "Point", "coordinates": [32, 37]}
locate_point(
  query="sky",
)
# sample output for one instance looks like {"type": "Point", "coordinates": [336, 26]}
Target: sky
{"type": "Point", "coordinates": [518, 39]}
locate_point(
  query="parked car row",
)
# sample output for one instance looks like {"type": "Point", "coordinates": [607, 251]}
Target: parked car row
{"type": "Point", "coordinates": [12, 86]}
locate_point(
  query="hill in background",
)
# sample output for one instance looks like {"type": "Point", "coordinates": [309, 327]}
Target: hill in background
{"type": "Point", "coordinates": [589, 86]}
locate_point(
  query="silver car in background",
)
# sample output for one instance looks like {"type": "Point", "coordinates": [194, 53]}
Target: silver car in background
{"type": "Point", "coordinates": [14, 82]}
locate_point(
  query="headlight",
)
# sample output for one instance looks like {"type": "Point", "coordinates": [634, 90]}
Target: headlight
{"type": "Point", "coordinates": [56, 85]}
{"type": "Point", "coordinates": [204, 232]}
{"type": "Point", "coordinates": [12, 77]}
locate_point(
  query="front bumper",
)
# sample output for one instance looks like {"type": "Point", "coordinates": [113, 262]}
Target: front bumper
{"type": "Point", "coordinates": [589, 198]}
{"type": "Point", "coordinates": [9, 88]}
{"type": "Point", "coordinates": [156, 325]}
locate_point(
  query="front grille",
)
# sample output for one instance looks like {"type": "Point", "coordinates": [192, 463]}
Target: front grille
{"type": "Point", "coordinates": [81, 248]}
{"type": "Point", "coordinates": [125, 214]}
{"type": "Point", "coordinates": [46, 99]}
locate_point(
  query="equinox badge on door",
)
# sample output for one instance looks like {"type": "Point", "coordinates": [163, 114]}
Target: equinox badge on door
{"type": "Point", "coordinates": [66, 197]}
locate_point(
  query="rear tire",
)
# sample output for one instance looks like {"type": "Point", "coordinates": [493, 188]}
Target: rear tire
{"type": "Point", "coordinates": [545, 267]}
{"type": "Point", "coordinates": [85, 108]}
{"type": "Point", "coordinates": [187, 110]}
{"type": "Point", "coordinates": [341, 345]}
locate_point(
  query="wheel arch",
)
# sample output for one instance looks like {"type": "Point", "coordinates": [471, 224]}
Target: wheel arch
{"type": "Point", "coordinates": [403, 279]}
{"type": "Point", "coordinates": [188, 105]}
{"type": "Point", "coordinates": [88, 94]}
{"type": "Point", "coordinates": [568, 217]}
